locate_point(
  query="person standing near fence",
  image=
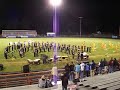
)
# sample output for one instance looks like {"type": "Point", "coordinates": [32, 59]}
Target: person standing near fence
{"type": "Point", "coordinates": [92, 68]}
{"type": "Point", "coordinates": [72, 71]}
{"type": "Point", "coordinates": [101, 66]}
{"type": "Point", "coordinates": [67, 70]}
{"type": "Point", "coordinates": [64, 79]}
{"type": "Point", "coordinates": [77, 71]}
{"type": "Point", "coordinates": [87, 69]}
{"type": "Point", "coordinates": [82, 68]}
{"type": "Point", "coordinates": [110, 65]}
{"type": "Point", "coordinates": [55, 74]}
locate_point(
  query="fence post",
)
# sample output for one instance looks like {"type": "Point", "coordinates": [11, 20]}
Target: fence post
{"type": "Point", "coordinates": [29, 82]}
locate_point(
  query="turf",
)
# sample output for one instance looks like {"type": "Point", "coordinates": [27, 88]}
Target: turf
{"type": "Point", "coordinates": [101, 48]}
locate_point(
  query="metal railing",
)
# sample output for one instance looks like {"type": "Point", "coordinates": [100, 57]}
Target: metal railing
{"type": "Point", "coordinates": [13, 80]}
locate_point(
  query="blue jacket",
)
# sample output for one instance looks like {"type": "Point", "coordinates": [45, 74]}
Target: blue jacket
{"type": "Point", "coordinates": [77, 68]}
{"type": "Point", "coordinates": [87, 67]}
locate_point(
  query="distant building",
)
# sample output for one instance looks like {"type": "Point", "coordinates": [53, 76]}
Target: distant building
{"type": "Point", "coordinates": [19, 33]}
{"type": "Point", "coordinates": [50, 34]}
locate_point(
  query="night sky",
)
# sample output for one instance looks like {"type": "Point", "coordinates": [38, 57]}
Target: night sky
{"type": "Point", "coordinates": [98, 15]}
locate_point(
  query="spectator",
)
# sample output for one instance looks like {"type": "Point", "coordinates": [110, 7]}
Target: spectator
{"type": "Point", "coordinates": [48, 82]}
{"type": "Point", "coordinates": [115, 64]}
{"type": "Point", "coordinates": [82, 67]}
{"type": "Point", "coordinates": [110, 66]}
{"type": "Point", "coordinates": [55, 73]}
{"type": "Point", "coordinates": [101, 66]}
{"type": "Point", "coordinates": [42, 82]}
{"type": "Point", "coordinates": [119, 63]}
{"type": "Point", "coordinates": [64, 79]}
{"type": "Point", "coordinates": [67, 69]}
{"type": "Point", "coordinates": [105, 66]}
{"type": "Point", "coordinates": [96, 69]}
{"type": "Point", "coordinates": [92, 68]}
{"type": "Point", "coordinates": [72, 71]}
{"type": "Point", "coordinates": [87, 69]}
{"type": "Point", "coordinates": [77, 71]}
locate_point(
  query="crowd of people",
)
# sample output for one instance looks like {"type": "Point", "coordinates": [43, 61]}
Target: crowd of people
{"type": "Point", "coordinates": [85, 69]}
{"type": "Point", "coordinates": [76, 72]}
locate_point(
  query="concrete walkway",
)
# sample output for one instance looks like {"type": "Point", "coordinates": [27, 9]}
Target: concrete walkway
{"type": "Point", "coordinates": [33, 87]}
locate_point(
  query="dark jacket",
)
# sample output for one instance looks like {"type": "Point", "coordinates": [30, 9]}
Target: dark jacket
{"type": "Point", "coordinates": [64, 81]}
{"type": "Point", "coordinates": [72, 67]}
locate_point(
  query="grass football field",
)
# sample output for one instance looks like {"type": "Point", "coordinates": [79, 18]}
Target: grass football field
{"type": "Point", "coordinates": [101, 48]}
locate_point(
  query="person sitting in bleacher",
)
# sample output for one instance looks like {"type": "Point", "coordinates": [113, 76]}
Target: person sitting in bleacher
{"type": "Point", "coordinates": [42, 82]}
{"type": "Point", "coordinates": [48, 82]}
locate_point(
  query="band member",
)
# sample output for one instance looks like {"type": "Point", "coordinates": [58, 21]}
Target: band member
{"type": "Point", "coordinates": [12, 47]}
{"type": "Point", "coordinates": [35, 44]}
{"type": "Point", "coordinates": [40, 50]}
{"type": "Point", "coordinates": [48, 48]}
{"type": "Point", "coordinates": [18, 45]}
{"type": "Point", "coordinates": [43, 48]}
{"type": "Point", "coordinates": [25, 49]}
{"type": "Point", "coordinates": [32, 45]}
{"type": "Point", "coordinates": [5, 54]}
{"type": "Point", "coordinates": [12, 54]}
{"type": "Point", "coordinates": [8, 49]}
{"type": "Point", "coordinates": [81, 55]}
{"type": "Point", "coordinates": [81, 48]}
{"type": "Point", "coordinates": [78, 48]}
{"type": "Point", "coordinates": [69, 50]}
{"type": "Point", "coordinates": [75, 48]}
{"type": "Point", "coordinates": [35, 52]}
{"type": "Point", "coordinates": [38, 44]}
{"type": "Point", "coordinates": [78, 57]}
{"type": "Point", "coordinates": [73, 53]}
{"type": "Point", "coordinates": [84, 48]}
{"type": "Point", "coordinates": [89, 49]}
{"type": "Point", "coordinates": [21, 52]}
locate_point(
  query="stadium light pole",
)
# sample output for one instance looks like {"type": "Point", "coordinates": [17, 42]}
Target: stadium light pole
{"type": "Point", "coordinates": [55, 4]}
{"type": "Point", "coordinates": [80, 25]}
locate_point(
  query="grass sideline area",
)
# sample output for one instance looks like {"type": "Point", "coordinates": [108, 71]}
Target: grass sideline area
{"type": "Point", "coordinates": [101, 48]}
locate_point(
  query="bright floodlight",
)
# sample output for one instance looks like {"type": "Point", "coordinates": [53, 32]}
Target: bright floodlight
{"type": "Point", "coordinates": [55, 3]}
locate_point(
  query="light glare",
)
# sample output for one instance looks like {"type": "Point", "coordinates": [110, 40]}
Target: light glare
{"type": "Point", "coordinates": [55, 3]}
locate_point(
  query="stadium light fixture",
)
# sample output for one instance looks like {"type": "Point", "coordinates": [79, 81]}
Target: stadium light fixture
{"type": "Point", "coordinates": [55, 3]}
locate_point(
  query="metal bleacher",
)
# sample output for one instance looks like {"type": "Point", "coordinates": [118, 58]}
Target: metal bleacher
{"type": "Point", "coordinates": [102, 82]}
